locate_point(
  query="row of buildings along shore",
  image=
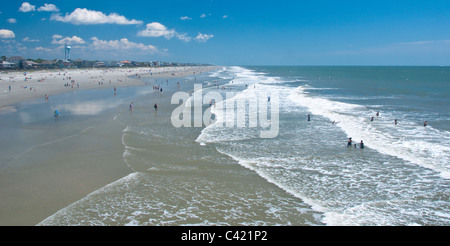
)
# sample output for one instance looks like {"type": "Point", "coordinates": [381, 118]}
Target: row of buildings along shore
{"type": "Point", "coordinates": [19, 63]}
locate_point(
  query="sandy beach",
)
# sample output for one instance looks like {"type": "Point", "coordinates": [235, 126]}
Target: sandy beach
{"type": "Point", "coordinates": [47, 165]}
{"type": "Point", "coordinates": [36, 84]}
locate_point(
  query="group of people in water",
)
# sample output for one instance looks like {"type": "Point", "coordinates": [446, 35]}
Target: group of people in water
{"type": "Point", "coordinates": [350, 142]}
{"type": "Point", "coordinates": [361, 144]}
{"type": "Point", "coordinates": [154, 106]}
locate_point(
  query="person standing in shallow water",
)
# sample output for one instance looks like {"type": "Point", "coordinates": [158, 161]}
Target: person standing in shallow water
{"type": "Point", "coordinates": [361, 145]}
{"type": "Point", "coordinates": [309, 117]}
{"type": "Point", "coordinates": [349, 144]}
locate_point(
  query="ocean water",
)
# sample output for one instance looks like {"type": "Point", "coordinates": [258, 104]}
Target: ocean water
{"type": "Point", "coordinates": [401, 177]}
{"type": "Point", "coordinates": [306, 174]}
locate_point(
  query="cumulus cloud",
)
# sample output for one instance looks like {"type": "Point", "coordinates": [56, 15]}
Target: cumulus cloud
{"type": "Point", "coordinates": [40, 48]}
{"type": "Point", "coordinates": [156, 29]}
{"type": "Point", "coordinates": [183, 36]}
{"type": "Point", "coordinates": [4, 33]}
{"type": "Point", "coordinates": [49, 8]}
{"type": "Point", "coordinates": [203, 37]}
{"type": "Point", "coordinates": [58, 39]}
{"type": "Point", "coordinates": [185, 18]}
{"type": "Point", "coordinates": [122, 44]}
{"type": "Point", "coordinates": [90, 17]}
{"type": "Point", "coordinates": [12, 20]}
{"type": "Point", "coordinates": [27, 39]}
{"type": "Point", "coordinates": [27, 7]}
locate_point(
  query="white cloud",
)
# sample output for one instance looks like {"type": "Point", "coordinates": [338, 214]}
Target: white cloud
{"type": "Point", "coordinates": [90, 17]}
{"type": "Point", "coordinates": [122, 44]}
{"type": "Point", "coordinates": [4, 33]}
{"type": "Point", "coordinates": [156, 29]}
{"type": "Point", "coordinates": [203, 37]}
{"type": "Point", "coordinates": [203, 16]}
{"type": "Point", "coordinates": [225, 16]}
{"type": "Point", "coordinates": [12, 20]}
{"type": "Point", "coordinates": [27, 7]}
{"type": "Point", "coordinates": [27, 39]}
{"type": "Point", "coordinates": [183, 36]}
{"type": "Point", "coordinates": [40, 48]}
{"type": "Point", "coordinates": [49, 8]}
{"type": "Point", "coordinates": [58, 39]}
{"type": "Point", "coordinates": [185, 18]}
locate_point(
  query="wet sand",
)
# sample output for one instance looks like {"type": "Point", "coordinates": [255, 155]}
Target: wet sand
{"type": "Point", "coordinates": [48, 165]}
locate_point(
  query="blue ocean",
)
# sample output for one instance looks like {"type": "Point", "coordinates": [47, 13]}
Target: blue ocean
{"type": "Point", "coordinates": [306, 174]}
{"type": "Point", "coordinates": [401, 177]}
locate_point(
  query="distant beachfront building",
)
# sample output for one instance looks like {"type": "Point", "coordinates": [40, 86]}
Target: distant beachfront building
{"type": "Point", "coordinates": [126, 63]}
{"type": "Point", "coordinates": [112, 64]}
{"type": "Point", "coordinates": [33, 64]}
{"type": "Point", "coordinates": [48, 64]}
{"type": "Point", "coordinates": [18, 61]}
{"type": "Point", "coordinates": [6, 64]}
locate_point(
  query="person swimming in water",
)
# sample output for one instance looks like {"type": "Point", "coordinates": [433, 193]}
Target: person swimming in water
{"type": "Point", "coordinates": [395, 122]}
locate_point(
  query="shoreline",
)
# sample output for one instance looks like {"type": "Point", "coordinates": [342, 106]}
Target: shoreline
{"type": "Point", "coordinates": [27, 85]}
{"type": "Point", "coordinates": [40, 180]}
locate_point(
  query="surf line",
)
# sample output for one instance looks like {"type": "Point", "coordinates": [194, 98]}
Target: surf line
{"type": "Point", "coordinates": [229, 111]}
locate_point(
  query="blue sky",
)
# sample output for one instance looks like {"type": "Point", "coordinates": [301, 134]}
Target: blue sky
{"type": "Point", "coordinates": [229, 32]}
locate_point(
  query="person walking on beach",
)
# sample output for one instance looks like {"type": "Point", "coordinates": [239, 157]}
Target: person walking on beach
{"type": "Point", "coordinates": [156, 107]}
{"type": "Point", "coordinates": [131, 106]}
{"type": "Point", "coordinates": [10, 88]}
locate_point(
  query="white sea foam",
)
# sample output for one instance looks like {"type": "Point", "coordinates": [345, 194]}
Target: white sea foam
{"type": "Point", "coordinates": [382, 136]}
{"type": "Point", "coordinates": [332, 181]}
